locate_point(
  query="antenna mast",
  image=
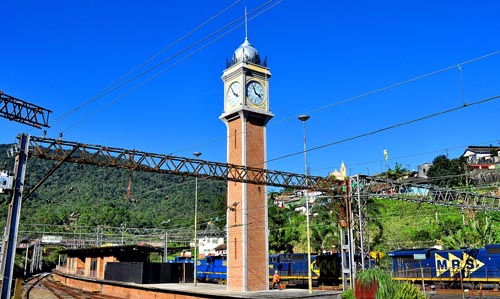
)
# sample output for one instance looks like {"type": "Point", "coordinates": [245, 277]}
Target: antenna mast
{"type": "Point", "coordinates": [246, 24]}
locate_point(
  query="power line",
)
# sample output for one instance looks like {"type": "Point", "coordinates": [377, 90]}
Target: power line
{"type": "Point", "coordinates": [315, 110]}
{"type": "Point", "coordinates": [116, 84]}
{"type": "Point", "coordinates": [388, 87]}
{"type": "Point", "coordinates": [198, 43]}
{"type": "Point", "coordinates": [388, 128]}
{"type": "Point", "coordinates": [410, 155]}
{"type": "Point", "coordinates": [391, 86]}
{"type": "Point", "coordinates": [312, 111]}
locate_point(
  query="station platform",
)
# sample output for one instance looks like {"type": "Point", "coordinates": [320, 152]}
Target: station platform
{"type": "Point", "coordinates": [220, 291]}
{"type": "Point", "coordinates": [182, 290]}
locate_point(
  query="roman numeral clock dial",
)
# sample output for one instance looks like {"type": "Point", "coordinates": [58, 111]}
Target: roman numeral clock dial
{"type": "Point", "coordinates": [234, 93]}
{"type": "Point", "coordinates": [255, 93]}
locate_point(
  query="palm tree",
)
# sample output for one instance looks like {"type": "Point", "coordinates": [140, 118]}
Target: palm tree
{"type": "Point", "coordinates": [325, 232]}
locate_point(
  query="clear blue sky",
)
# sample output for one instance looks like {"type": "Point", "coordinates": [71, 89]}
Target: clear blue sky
{"type": "Point", "coordinates": [324, 55]}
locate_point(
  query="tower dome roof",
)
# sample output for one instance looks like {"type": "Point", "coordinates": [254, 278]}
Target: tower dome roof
{"type": "Point", "coordinates": [246, 52]}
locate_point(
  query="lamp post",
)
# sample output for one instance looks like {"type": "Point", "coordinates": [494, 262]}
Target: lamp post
{"type": "Point", "coordinates": [123, 228]}
{"type": "Point", "coordinates": [197, 155]}
{"type": "Point", "coordinates": [165, 243]}
{"type": "Point", "coordinates": [303, 119]}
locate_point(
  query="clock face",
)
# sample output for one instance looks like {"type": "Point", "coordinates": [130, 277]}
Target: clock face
{"type": "Point", "coordinates": [234, 93]}
{"type": "Point", "coordinates": [255, 93]}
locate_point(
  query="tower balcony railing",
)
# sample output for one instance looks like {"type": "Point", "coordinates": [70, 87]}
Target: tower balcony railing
{"type": "Point", "coordinates": [255, 60]}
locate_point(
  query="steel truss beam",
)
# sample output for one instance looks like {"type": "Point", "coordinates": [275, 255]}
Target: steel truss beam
{"type": "Point", "coordinates": [425, 192]}
{"type": "Point", "coordinates": [84, 236]}
{"type": "Point", "coordinates": [363, 187]}
{"type": "Point", "coordinates": [23, 112]}
{"type": "Point", "coordinates": [54, 149]}
{"type": "Point", "coordinates": [358, 190]}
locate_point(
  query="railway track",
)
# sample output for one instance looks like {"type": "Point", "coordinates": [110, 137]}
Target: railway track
{"type": "Point", "coordinates": [44, 287]}
{"type": "Point", "coordinates": [468, 294]}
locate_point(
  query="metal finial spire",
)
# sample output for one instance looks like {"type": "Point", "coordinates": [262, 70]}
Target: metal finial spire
{"type": "Point", "coordinates": [246, 24]}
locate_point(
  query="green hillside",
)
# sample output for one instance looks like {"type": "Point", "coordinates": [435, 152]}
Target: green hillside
{"type": "Point", "coordinates": [93, 195]}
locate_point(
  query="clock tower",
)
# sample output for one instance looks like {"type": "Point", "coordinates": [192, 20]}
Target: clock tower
{"type": "Point", "coordinates": [246, 113]}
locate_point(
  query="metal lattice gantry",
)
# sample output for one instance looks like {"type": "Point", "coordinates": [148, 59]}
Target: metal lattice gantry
{"type": "Point", "coordinates": [76, 236]}
{"type": "Point", "coordinates": [359, 188]}
{"type": "Point", "coordinates": [359, 219]}
{"type": "Point", "coordinates": [21, 111]}
{"type": "Point", "coordinates": [351, 196]}
{"type": "Point", "coordinates": [364, 187]}
{"type": "Point", "coordinates": [59, 150]}
{"type": "Point", "coordinates": [425, 192]}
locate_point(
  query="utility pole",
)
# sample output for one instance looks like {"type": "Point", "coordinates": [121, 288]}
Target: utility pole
{"type": "Point", "coordinates": [35, 116]}
{"type": "Point", "coordinates": [197, 155]}
{"type": "Point", "coordinates": [14, 215]}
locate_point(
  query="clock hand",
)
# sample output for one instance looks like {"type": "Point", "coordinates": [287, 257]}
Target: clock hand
{"type": "Point", "coordinates": [234, 93]}
{"type": "Point", "coordinates": [255, 91]}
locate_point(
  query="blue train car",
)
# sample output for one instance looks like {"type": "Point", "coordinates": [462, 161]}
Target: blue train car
{"type": "Point", "coordinates": [212, 268]}
{"type": "Point", "coordinates": [293, 268]}
{"type": "Point", "coordinates": [448, 266]}
{"type": "Point", "coordinates": [182, 259]}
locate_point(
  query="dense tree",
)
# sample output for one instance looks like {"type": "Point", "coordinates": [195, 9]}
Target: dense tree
{"type": "Point", "coordinates": [284, 225]}
{"type": "Point", "coordinates": [325, 225]}
{"type": "Point", "coordinates": [477, 230]}
{"type": "Point", "coordinates": [397, 173]}
{"type": "Point", "coordinates": [449, 173]}
{"type": "Point", "coordinates": [91, 196]}
{"type": "Point", "coordinates": [87, 195]}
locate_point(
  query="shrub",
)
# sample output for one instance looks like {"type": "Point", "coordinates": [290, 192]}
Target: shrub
{"type": "Point", "coordinates": [378, 284]}
{"type": "Point", "coordinates": [349, 294]}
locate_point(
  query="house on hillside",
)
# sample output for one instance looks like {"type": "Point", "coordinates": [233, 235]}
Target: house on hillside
{"type": "Point", "coordinates": [221, 249]}
{"type": "Point", "coordinates": [297, 198]}
{"type": "Point", "coordinates": [482, 157]}
{"type": "Point", "coordinates": [422, 170]}
{"type": "Point", "coordinates": [208, 245]}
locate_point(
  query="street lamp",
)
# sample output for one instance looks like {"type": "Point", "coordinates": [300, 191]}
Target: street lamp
{"type": "Point", "coordinates": [303, 118]}
{"type": "Point", "coordinates": [165, 243]}
{"type": "Point", "coordinates": [197, 155]}
{"type": "Point", "coordinates": [123, 228]}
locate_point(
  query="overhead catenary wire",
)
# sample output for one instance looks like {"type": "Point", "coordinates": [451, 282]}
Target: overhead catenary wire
{"type": "Point", "coordinates": [404, 82]}
{"type": "Point", "coordinates": [288, 212]}
{"type": "Point", "coordinates": [385, 128]}
{"type": "Point", "coordinates": [394, 85]}
{"type": "Point", "coordinates": [411, 155]}
{"type": "Point", "coordinates": [460, 65]}
{"type": "Point", "coordinates": [258, 11]}
{"type": "Point", "coordinates": [116, 84]}
{"type": "Point", "coordinates": [350, 99]}
{"type": "Point", "coordinates": [389, 127]}
{"type": "Point", "coordinates": [356, 97]}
